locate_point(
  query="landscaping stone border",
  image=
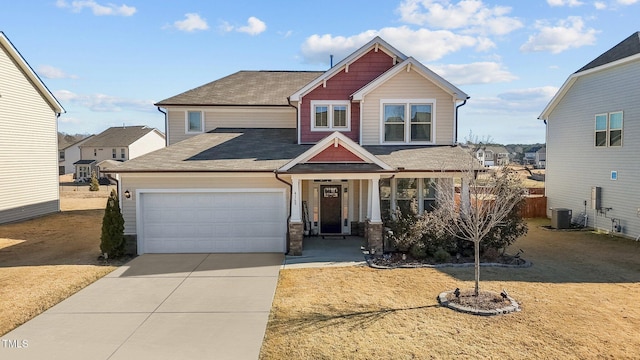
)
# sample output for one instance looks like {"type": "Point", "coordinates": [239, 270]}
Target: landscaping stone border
{"type": "Point", "coordinates": [371, 264]}
{"type": "Point", "coordinates": [514, 307]}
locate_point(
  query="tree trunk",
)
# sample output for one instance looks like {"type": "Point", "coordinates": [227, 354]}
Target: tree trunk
{"type": "Point", "coordinates": [476, 246]}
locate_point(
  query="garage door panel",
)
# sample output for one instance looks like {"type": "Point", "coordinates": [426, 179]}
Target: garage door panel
{"type": "Point", "coordinates": [213, 222]}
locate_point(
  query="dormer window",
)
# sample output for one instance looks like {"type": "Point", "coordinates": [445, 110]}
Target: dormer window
{"type": "Point", "coordinates": [330, 115]}
{"type": "Point", "coordinates": [407, 121]}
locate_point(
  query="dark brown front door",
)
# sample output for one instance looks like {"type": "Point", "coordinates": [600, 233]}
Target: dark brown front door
{"type": "Point", "coordinates": [330, 214]}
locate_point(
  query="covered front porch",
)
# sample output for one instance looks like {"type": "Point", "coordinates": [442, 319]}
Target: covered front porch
{"type": "Point", "coordinates": [356, 204]}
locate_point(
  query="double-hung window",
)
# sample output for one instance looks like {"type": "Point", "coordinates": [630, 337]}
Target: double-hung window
{"type": "Point", "coordinates": [608, 130]}
{"type": "Point", "coordinates": [407, 121]}
{"type": "Point", "coordinates": [113, 153]}
{"type": "Point", "coordinates": [330, 115]}
{"type": "Point", "coordinates": [400, 193]}
{"type": "Point", "coordinates": [194, 122]}
{"type": "Point", "coordinates": [122, 153]}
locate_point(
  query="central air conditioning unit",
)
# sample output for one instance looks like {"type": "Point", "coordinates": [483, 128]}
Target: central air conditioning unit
{"type": "Point", "coordinates": [560, 218]}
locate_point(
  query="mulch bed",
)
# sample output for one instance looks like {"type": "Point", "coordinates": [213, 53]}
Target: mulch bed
{"type": "Point", "coordinates": [396, 260]}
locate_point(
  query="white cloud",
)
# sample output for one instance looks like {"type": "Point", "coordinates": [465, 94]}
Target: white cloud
{"type": "Point", "coordinates": [599, 5]}
{"type": "Point", "coordinates": [423, 44]}
{"type": "Point", "coordinates": [254, 26]}
{"type": "Point", "coordinates": [474, 73]}
{"type": "Point", "coordinates": [570, 3]}
{"type": "Point", "coordinates": [103, 103]}
{"type": "Point", "coordinates": [516, 101]}
{"type": "Point", "coordinates": [50, 72]}
{"type": "Point", "coordinates": [69, 120]}
{"type": "Point", "coordinates": [97, 9]}
{"type": "Point", "coordinates": [192, 22]}
{"type": "Point", "coordinates": [470, 16]}
{"type": "Point", "coordinates": [566, 34]}
{"type": "Point", "coordinates": [627, 2]}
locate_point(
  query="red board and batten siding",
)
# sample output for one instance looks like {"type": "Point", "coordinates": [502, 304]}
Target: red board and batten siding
{"type": "Point", "coordinates": [335, 154]}
{"type": "Point", "coordinates": [340, 87]}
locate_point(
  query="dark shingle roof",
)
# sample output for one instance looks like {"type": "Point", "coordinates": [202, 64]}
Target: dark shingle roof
{"type": "Point", "coordinates": [628, 47]}
{"type": "Point", "coordinates": [248, 150]}
{"type": "Point", "coordinates": [119, 136]}
{"type": "Point", "coordinates": [246, 88]}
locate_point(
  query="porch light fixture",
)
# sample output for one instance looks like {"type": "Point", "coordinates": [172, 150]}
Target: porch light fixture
{"type": "Point", "coordinates": [127, 194]}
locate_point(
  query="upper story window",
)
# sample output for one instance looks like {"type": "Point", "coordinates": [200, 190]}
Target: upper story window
{"type": "Point", "coordinates": [407, 121]}
{"type": "Point", "coordinates": [61, 155]}
{"type": "Point", "coordinates": [608, 129]}
{"type": "Point", "coordinates": [95, 152]}
{"type": "Point", "coordinates": [330, 115]}
{"type": "Point", "coordinates": [122, 153]}
{"type": "Point", "coordinates": [113, 153]}
{"type": "Point", "coordinates": [194, 122]}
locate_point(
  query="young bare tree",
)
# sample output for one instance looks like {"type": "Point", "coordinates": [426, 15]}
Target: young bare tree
{"type": "Point", "coordinates": [487, 197]}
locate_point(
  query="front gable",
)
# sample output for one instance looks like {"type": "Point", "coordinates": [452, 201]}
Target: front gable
{"type": "Point", "coordinates": [336, 149]}
{"type": "Point", "coordinates": [336, 91]}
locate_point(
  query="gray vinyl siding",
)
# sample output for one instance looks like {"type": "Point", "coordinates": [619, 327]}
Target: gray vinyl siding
{"type": "Point", "coordinates": [574, 164]}
{"type": "Point", "coordinates": [279, 117]}
{"type": "Point", "coordinates": [28, 147]}
{"type": "Point", "coordinates": [133, 182]}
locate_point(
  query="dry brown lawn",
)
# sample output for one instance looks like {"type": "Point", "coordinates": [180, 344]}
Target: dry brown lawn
{"type": "Point", "coordinates": [579, 301]}
{"type": "Point", "coordinates": [43, 261]}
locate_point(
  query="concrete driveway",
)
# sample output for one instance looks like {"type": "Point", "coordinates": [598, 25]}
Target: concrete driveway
{"type": "Point", "coordinates": [173, 306]}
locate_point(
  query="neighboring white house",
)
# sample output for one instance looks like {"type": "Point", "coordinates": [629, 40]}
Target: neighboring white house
{"type": "Point", "coordinates": [492, 155]}
{"type": "Point", "coordinates": [68, 154]}
{"type": "Point", "coordinates": [28, 140]}
{"type": "Point", "coordinates": [541, 158]}
{"type": "Point", "coordinates": [593, 141]}
{"type": "Point", "coordinates": [119, 143]}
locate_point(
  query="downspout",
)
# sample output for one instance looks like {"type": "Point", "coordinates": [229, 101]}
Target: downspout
{"type": "Point", "coordinates": [297, 134]}
{"type": "Point", "coordinates": [457, 107]}
{"type": "Point", "coordinates": [166, 127]}
{"type": "Point", "coordinates": [290, 195]}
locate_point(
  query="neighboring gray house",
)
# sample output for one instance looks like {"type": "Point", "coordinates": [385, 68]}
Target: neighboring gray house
{"type": "Point", "coordinates": [28, 140]}
{"type": "Point", "coordinates": [593, 141]}
{"type": "Point", "coordinates": [540, 159]}
{"type": "Point", "coordinates": [492, 155]}
{"type": "Point", "coordinates": [119, 143]}
{"type": "Point", "coordinates": [68, 154]}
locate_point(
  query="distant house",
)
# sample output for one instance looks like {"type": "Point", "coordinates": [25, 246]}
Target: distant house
{"type": "Point", "coordinates": [492, 155]}
{"type": "Point", "coordinates": [540, 159]}
{"type": "Point", "coordinates": [28, 140]}
{"type": "Point", "coordinates": [593, 141]}
{"type": "Point", "coordinates": [530, 155]}
{"type": "Point", "coordinates": [68, 154]}
{"type": "Point", "coordinates": [120, 143]}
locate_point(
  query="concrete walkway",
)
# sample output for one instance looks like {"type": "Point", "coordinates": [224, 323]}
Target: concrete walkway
{"type": "Point", "coordinates": [174, 306]}
{"type": "Point", "coordinates": [329, 251]}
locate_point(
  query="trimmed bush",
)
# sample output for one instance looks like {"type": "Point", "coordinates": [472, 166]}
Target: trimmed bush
{"type": "Point", "coordinates": [112, 242]}
{"type": "Point", "coordinates": [94, 185]}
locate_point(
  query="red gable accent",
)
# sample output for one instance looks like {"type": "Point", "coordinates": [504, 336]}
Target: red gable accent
{"type": "Point", "coordinates": [340, 87]}
{"type": "Point", "coordinates": [335, 154]}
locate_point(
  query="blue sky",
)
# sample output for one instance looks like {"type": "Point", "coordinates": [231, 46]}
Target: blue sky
{"type": "Point", "coordinates": [108, 62]}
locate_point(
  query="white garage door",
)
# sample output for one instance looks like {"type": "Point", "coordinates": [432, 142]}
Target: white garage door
{"type": "Point", "coordinates": [246, 221]}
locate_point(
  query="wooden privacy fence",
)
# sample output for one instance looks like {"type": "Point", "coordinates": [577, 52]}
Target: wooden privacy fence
{"type": "Point", "coordinates": [533, 207]}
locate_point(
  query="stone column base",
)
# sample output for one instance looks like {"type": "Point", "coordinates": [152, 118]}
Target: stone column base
{"type": "Point", "coordinates": [374, 236]}
{"type": "Point", "coordinates": [296, 232]}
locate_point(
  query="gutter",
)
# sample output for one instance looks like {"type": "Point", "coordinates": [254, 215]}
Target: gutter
{"type": "Point", "coordinates": [457, 107]}
{"type": "Point", "coordinates": [166, 127]}
{"type": "Point", "coordinates": [275, 172]}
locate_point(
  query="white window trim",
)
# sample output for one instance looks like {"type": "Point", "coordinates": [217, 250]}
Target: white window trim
{"type": "Point", "coordinates": [393, 199]}
{"type": "Point", "coordinates": [407, 121]}
{"type": "Point", "coordinates": [186, 122]}
{"type": "Point", "coordinates": [607, 131]}
{"type": "Point", "coordinates": [330, 104]}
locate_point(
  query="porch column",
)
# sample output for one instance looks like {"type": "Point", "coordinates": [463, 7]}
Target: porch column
{"type": "Point", "coordinates": [464, 195]}
{"type": "Point", "coordinates": [375, 200]}
{"type": "Point", "coordinates": [296, 227]}
{"type": "Point", "coordinates": [374, 223]}
{"type": "Point", "coordinates": [296, 203]}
